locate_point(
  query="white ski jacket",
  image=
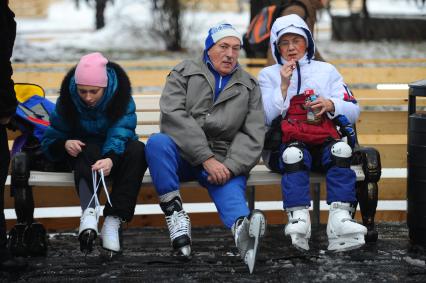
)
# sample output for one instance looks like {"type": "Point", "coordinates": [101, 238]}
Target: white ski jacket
{"type": "Point", "coordinates": [322, 77]}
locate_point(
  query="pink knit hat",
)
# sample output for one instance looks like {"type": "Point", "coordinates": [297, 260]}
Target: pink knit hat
{"type": "Point", "coordinates": [91, 70]}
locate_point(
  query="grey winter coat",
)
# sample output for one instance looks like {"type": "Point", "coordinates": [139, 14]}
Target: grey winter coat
{"type": "Point", "coordinates": [231, 128]}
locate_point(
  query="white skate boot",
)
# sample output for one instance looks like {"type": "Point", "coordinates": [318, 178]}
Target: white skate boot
{"type": "Point", "coordinates": [247, 232]}
{"type": "Point", "coordinates": [88, 230]}
{"type": "Point", "coordinates": [179, 225]}
{"type": "Point", "coordinates": [343, 232]}
{"type": "Point", "coordinates": [299, 227]}
{"type": "Point", "coordinates": [111, 235]}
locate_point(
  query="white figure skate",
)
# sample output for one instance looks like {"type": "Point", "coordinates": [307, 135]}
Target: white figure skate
{"type": "Point", "coordinates": [343, 232]}
{"type": "Point", "coordinates": [299, 227]}
{"type": "Point", "coordinates": [88, 230]}
{"type": "Point", "coordinates": [111, 235]}
{"type": "Point", "coordinates": [247, 233]}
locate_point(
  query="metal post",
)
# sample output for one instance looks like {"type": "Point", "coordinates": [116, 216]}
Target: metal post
{"type": "Point", "coordinates": [316, 208]}
{"type": "Point", "coordinates": [250, 193]}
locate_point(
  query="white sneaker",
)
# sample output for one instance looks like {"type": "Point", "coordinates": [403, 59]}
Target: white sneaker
{"type": "Point", "coordinates": [110, 233]}
{"type": "Point", "coordinates": [299, 227]}
{"type": "Point", "coordinates": [247, 233]}
{"type": "Point", "coordinates": [343, 232]}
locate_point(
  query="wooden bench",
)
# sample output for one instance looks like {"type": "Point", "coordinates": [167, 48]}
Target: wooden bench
{"type": "Point", "coordinates": [260, 175]}
{"type": "Point", "coordinates": [147, 105]}
{"type": "Point", "coordinates": [379, 107]}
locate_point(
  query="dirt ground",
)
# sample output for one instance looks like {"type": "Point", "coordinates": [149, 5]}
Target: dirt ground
{"type": "Point", "coordinates": [147, 257]}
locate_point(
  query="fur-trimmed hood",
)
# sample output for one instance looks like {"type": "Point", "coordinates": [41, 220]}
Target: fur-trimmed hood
{"type": "Point", "coordinates": [116, 106]}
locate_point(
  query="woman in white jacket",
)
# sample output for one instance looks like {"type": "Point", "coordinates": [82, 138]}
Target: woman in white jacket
{"type": "Point", "coordinates": [311, 100]}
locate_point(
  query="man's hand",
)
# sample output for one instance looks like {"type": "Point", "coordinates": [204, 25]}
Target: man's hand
{"type": "Point", "coordinates": [219, 174]}
{"type": "Point", "coordinates": [103, 164]}
{"type": "Point", "coordinates": [74, 147]}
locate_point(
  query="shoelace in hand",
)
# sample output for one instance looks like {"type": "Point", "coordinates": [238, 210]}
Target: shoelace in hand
{"type": "Point", "coordinates": [96, 185]}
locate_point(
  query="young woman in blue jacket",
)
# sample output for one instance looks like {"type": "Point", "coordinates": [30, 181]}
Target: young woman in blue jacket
{"type": "Point", "coordinates": [93, 127]}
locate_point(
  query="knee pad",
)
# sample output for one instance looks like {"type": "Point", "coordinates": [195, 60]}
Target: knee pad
{"type": "Point", "coordinates": [341, 154]}
{"type": "Point", "coordinates": [293, 159]}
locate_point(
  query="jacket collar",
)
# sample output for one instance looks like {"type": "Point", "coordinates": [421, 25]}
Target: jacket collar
{"type": "Point", "coordinates": [200, 67]}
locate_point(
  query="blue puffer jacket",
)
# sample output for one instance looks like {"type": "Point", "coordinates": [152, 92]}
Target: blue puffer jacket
{"type": "Point", "coordinates": [110, 124]}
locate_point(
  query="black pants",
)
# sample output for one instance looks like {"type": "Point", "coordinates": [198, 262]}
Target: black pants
{"type": "Point", "coordinates": [126, 176]}
{"type": "Point", "coordinates": [4, 166]}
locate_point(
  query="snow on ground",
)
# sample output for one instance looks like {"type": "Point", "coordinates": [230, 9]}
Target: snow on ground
{"type": "Point", "coordinates": [67, 33]}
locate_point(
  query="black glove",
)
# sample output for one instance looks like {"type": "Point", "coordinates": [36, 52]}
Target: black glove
{"type": "Point", "coordinates": [346, 129]}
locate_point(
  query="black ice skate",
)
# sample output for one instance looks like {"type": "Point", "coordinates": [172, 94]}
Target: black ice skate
{"type": "Point", "coordinates": [179, 225]}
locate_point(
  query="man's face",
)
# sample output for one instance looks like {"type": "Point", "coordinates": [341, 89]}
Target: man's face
{"type": "Point", "coordinates": [224, 54]}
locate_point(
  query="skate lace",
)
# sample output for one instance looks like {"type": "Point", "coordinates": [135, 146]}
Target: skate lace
{"type": "Point", "coordinates": [178, 224]}
{"type": "Point", "coordinates": [96, 185]}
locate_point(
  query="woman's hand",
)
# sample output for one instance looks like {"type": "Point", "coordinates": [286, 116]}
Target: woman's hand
{"type": "Point", "coordinates": [103, 164]}
{"type": "Point", "coordinates": [74, 147]}
{"type": "Point", "coordinates": [286, 72]}
{"type": "Point", "coordinates": [321, 105]}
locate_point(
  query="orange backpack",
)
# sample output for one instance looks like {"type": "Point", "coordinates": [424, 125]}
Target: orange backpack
{"type": "Point", "coordinates": [256, 39]}
{"type": "Point", "coordinates": [260, 27]}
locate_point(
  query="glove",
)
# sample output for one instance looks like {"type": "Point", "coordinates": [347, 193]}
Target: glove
{"type": "Point", "coordinates": [346, 129]}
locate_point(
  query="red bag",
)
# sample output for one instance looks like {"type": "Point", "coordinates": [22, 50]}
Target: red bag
{"type": "Point", "coordinates": [295, 127]}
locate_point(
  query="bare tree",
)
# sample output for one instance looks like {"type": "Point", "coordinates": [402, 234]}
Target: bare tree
{"type": "Point", "coordinates": [167, 23]}
{"type": "Point", "coordinates": [99, 6]}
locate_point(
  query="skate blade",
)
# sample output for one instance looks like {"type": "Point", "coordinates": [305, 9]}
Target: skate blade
{"type": "Point", "coordinates": [257, 225]}
{"type": "Point", "coordinates": [185, 251]}
{"type": "Point", "coordinates": [109, 254]}
{"type": "Point", "coordinates": [250, 260]}
{"type": "Point", "coordinates": [299, 242]}
{"type": "Point", "coordinates": [343, 244]}
{"type": "Point", "coordinates": [87, 239]}
{"type": "Point", "coordinates": [256, 230]}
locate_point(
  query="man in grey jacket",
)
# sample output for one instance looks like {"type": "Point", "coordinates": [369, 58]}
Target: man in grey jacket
{"type": "Point", "coordinates": [211, 131]}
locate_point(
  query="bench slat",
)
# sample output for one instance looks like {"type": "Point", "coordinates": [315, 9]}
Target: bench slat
{"type": "Point", "coordinates": [260, 175]}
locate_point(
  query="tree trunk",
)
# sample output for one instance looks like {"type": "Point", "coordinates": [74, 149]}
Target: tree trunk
{"type": "Point", "coordinates": [100, 9]}
{"type": "Point", "coordinates": [175, 43]}
{"type": "Point", "coordinates": [167, 23]}
{"type": "Point", "coordinates": [364, 9]}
